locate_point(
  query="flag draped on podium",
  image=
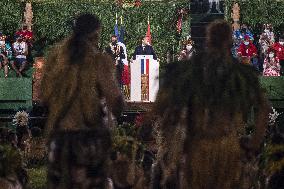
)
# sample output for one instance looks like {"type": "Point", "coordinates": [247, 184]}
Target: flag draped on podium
{"type": "Point", "coordinates": [145, 66]}
{"type": "Point", "coordinates": [144, 79]}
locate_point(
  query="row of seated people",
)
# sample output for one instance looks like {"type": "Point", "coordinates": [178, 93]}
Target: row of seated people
{"type": "Point", "coordinates": [15, 53]}
{"type": "Point", "coordinates": [265, 54]}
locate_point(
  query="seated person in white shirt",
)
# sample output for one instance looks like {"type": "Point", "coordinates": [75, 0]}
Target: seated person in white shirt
{"type": "Point", "coordinates": [20, 48]}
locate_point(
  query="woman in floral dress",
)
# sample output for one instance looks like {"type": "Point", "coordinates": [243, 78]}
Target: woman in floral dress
{"type": "Point", "coordinates": [271, 65]}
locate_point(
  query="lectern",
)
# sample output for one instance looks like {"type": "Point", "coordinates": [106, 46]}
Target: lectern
{"type": "Point", "coordinates": [144, 79]}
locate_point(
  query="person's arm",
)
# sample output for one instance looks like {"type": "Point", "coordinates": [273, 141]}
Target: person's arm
{"type": "Point", "coordinates": [135, 53]}
{"type": "Point", "coordinates": [107, 83]}
{"type": "Point", "coordinates": [9, 51]}
{"type": "Point", "coordinates": [14, 50]}
{"type": "Point", "coordinates": [2, 56]}
{"type": "Point", "coordinates": [108, 51]}
{"type": "Point", "coordinates": [182, 55]}
{"type": "Point", "coordinates": [122, 55]}
{"type": "Point", "coordinates": [254, 54]}
{"type": "Point", "coordinates": [153, 53]}
{"type": "Point", "coordinates": [30, 35]}
{"type": "Point", "coordinates": [272, 38]}
{"type": "Point", "coordinates": [249, 33]}
{"type": "Point", "coordinates": [261, 40]}
{"type": "Point", "coordinates": [265, 62]}
{"type": "Point", "coordinates": [26, 49]}
{"type": "Point", "coordinates": [274, 46]}
{"type": "Point", "coordinates": [240, 50]}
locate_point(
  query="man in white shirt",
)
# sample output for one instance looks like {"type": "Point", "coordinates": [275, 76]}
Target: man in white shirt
{"type": "Point", "coordinates": [20, 50]}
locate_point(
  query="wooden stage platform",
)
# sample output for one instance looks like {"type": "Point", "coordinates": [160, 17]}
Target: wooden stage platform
{"type": "Point", "coordinates": [138, 107]}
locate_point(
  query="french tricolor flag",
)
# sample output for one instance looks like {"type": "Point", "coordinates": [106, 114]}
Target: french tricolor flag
{"type": "Point", "coordinates": [145, 66]}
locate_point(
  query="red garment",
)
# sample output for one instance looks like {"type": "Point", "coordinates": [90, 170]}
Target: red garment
{"type": "Point", "coordinates": [279, 50]}
{"type": "Point", "coordinates": [247, 50]}
{"type": "Point", "coordinates": [125, 75]}
{"type": "Point", "coordinates": [28, 35]}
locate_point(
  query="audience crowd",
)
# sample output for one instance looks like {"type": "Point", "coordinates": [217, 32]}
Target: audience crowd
{"type": "Point", "coordinates": [266, 54]}
{"type": "Point", "coordinates": [14, 52]}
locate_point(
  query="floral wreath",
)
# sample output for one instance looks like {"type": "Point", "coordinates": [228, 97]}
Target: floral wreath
{"type": "Point", "coordinates": [21, 118]}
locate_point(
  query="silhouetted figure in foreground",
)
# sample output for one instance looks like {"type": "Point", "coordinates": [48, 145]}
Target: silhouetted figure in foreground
{"type": "Point", "coordinates": [77, 78]}
{"type": "Point", "coordinates": [203, 106]}
{"type": "Point", "coordinates": [79, 87]}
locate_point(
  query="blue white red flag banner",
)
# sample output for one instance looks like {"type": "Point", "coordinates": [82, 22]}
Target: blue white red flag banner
{"type": "Point", "coordinates": [145, 66]}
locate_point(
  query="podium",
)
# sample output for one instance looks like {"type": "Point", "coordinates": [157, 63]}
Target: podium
{"type": "Point", "coordinates": [144, 80]}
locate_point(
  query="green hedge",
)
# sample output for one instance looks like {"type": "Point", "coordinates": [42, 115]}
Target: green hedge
{"type": "Point", "coordinates": [37, 177]}
{"type": "Point", "coordinates": [52, 18]}
{"type": "Point", "coordinates": [11, 15]}
{"type": "Point", "coordinates": [52, 21]}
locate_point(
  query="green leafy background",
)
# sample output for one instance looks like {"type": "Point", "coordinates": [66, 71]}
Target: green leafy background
{"type": "Point", "coordinates": [52, 21]}
{"type": "Point", "coordinates": [11, 12]}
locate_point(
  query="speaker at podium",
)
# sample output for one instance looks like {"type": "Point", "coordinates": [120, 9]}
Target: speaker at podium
{"type": "Point", "coordinates": [144, 81]}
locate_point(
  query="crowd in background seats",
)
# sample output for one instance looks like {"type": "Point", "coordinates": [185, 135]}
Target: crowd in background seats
{"type": "Point", "coordinates": [14, 53]}
{"type": "Point", "coordinates": [266, 55]}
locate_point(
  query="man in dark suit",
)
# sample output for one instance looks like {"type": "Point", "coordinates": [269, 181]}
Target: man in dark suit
{"type": "Point", "coordinates": [144, 49]}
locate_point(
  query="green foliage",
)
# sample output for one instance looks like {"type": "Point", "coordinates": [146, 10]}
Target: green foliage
{"type": "Point", "coordinates": [274, 87]}
{"type": "Point", "coordinates": [53, 18]}
{"type": "Point", "coordinates": [256, 12]}
{"type": "Point", "coordinates": [10, 160]}
{"type": "Point", "coordinates": [125, 139]}
{"type": "Point", "coordinates": [11, 16]}
{"type": "Point", "coordinates": [37, 177]}
{"type": "Point", "coordinates": [52, 21]}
